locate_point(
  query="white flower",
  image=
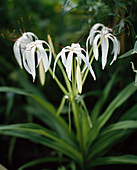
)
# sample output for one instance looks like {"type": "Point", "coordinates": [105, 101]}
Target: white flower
{"type": "Point", "coordinates": [30, 54]}
{"type": "Point", "coordinates": [20, 45]}
{"type": "Point", "coordinates": [135, 48]}
{"type": "Point", "coordinates": [104, 35]}
{"type": "Point", "coordinates": [133, 68]}
{"type": "Point", "coordinates": [67, 54]}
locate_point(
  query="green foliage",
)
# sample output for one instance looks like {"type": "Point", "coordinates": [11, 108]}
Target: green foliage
{"type": "Point", "coordinates": [87, 134]}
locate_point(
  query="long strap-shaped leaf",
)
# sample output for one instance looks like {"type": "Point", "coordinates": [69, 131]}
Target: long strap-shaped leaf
{"type": "Point", "coordinates": [42, 160]}
{"type": "Point", "coordinates": [37, 133]}
{"type": "Point", "coordinates": [125, 159]}
{"type": "Point", "coordinates": [57, 121]}
{"type": "Point", "coordinates": [128, 124]}
{"type": "Point", "coordinates": [98, 106]}
{"type": "Point", "coordinates": [119, 100]}
{"type": "Point", "coordinates": [110, 135]}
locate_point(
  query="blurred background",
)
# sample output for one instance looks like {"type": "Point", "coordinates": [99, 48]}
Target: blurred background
{"type": "Point", "coordinates": [66, 21]}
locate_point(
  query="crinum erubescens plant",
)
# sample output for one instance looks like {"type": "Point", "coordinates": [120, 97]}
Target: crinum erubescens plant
{"type": "Point", "coordinates": [88, 141]}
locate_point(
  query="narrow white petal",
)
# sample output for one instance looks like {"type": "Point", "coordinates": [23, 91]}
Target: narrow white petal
{"type": "Point", "coordinates": [64, 59]}
{"type": "Point", "coordinates": [50, 53]}
{"type": "Point", "coordinates": [29, 64]}
{"type": "Point", "coordinates": [25, 55]}
{"type": "Point", "coordinates": [30, 35]}
{"type": "Point", "coordinates": [93, 31]}
{"type": "Point", "coordinates": [55, 62]}
{"type": "Point", "coordinates": [88, 65]}
{"type": "Point", "coordinates": [69, 64]}
{"type": "Point", "coordinates": [116, 47]}
{"type": "Point", "coordinates": [88, 39]}
{"type": "Point", "coordinates": [105, 46]}
{"type": "Point", "coordinates": [43, 55]}
{"type": "Point", "coordinates": [95, 46]}
{"type": "Point", "coordinates": [16, 49]}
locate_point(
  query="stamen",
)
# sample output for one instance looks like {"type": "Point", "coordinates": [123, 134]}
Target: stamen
{"type": "Point", "coordinates": [59, 46]}
{"type": "Point", "coordinates": [128, 33]}
{"type": "Point", "coordinates": [30, 23]}
{"type": "Point", "coordinates": [23, 24]}
{"type": "Point", "coordinates": [19, 27]}
{"type": "Point", "coordinates": [82, 37]}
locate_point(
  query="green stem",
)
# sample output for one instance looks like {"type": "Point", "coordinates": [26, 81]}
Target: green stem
{"type": "Point", "coordinates": [78, 129]}
{"type": "Point", "coordinates": [59, 83]}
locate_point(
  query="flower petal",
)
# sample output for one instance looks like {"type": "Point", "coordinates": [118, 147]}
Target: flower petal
{"type": "Point", "coordinates": [50, 52]}
{"type": "Point", "coordinates": [93, 31]}
{"type": "Point", "coordinates": [87, 65]}
{"type": "Point", "coordinates": [95, 46]}
{"type": "Point", "coordinates": [69, 64]}
{"type": "Point", "coordinates": [16, 49]}
{"type": "Point", "coordinates": [57, 57]}
{"type": "Point", "coordinates": [30, 61]}
{"type": "Point", "coordinates": [43, 55]}
{"type": "Point", "coordinates": [105, 46]}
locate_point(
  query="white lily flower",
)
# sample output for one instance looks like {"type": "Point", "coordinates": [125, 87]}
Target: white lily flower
{"type": "Point", "coordinates": [72, 50]}
{"type": "Point", "coordinates": [103, 35]}
{"type": "Point", "coordinates": [133, 68]}
{"type": "Point", "coordinates": [135, 48]}
{"type": "Point", "coordinates": [29, 57]}
{"type": "Point", "coordinates": [20, 45]}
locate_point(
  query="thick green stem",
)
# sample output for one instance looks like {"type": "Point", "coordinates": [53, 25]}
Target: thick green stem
{"type": "Point", "coordinates": [78, 129]}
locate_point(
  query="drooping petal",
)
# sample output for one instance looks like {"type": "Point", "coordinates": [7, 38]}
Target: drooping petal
{"type": "Point", "coordinates": [16, 49]}
{"type": "Point", "coordinates": [93, 31]}
{"type": "Point", "coordinates": [29, 63]}
{"type": "Point", "coordinates": [95, 46]}
{"type": "Point", "coordinates": [116, 47]}
{"type": "Point", "coordinates": [88, 39]}
{"type": "Point", "coordinates": [88, 65]}
{"type": "Point", "coordinates": [69, 64]}
{"type": "Point", "coordinates": [105, 46]}
{"type": "Point", "coordinates": [64, 59]}
{"type": "Point", "coordinates": [30, 35]}
{"type": "Point", "coordinates": [55, 62]}
{"type": "Point", "coordinates": [43, 55]}
{"type": "Point", "coordinates": [50, 53]}
{"type": "Point", "coordinates": [135, 48]}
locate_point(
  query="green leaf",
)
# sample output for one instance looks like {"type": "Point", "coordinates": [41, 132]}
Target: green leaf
{"type": "Point", "coordinates": [125, 159]}
{"type": "Point", "coordinates": [119, 100]}
{"type": "Point", "coordinates": [104, 143]}
{"type": "Point", "coordinates": [130, 114]}
{"type": "Point", "coordinates": [127, 54]}
{"type": "Point", "coordinates": [42, 160]}
{"type": "Point", "coordinates": [37, 133]}
{"type": "Point", "coordinates": [98, 106]}
{"type": "Point", "coordinates": [110, 135]}
{"type": "Point", "coordinates": [127, 124]}
{"type": "Point", "coordinates": [116, 102]}
{"type": "Point", "coordinates": [50, 112]}
{"type": "Point", "coordinates": [118, 5]}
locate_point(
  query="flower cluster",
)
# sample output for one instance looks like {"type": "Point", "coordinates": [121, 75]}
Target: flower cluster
{"type": "Point", "coordinates": [29, 52]}
{"type": "Point", "coordinates": [25, 49]}
{"type": "Point", "coordinates": [104, 35]}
